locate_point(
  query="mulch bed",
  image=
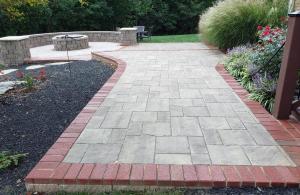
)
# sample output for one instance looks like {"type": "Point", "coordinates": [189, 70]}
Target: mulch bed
{"type": "Point", "coordinates": [31, 122]}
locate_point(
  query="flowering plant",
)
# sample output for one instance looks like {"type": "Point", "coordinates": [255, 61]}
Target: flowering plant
{"type": "Point", "coordinates": [257, 66]}
{"type": "Point", "coordinates": [267, 53]}
{"type": "Point", "coordinates": [268, 35]}
{"type": "Point", "coordinates": [30, 78]}
{"type": "Point", "coordinates": [42, 75]}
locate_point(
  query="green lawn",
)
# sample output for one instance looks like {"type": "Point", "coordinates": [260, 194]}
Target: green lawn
{"type": "Point", "coordinates": [167, 192]}
{"type": "Point", "coordinates": [174, 38]}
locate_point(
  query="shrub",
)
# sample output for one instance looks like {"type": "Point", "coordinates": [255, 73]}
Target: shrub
{"type": "Point", "coordinates": [232, 23]}
{"type": "Point", "coordinates": [8, 160]}
{"type": "Point", "coordinates": [237, 62]}
{"type": "Point", "coordinates": [252, 67]}
{"type": "Point", "coordinates": [39, 16]}
{"type": "Point", "coordinates": [264, 90]}
{"type": "Point", "coordinates": [263, 57]}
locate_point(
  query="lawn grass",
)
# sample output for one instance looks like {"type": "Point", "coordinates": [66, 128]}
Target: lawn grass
{"type": "Point", "coordinates": [174, 39]}
{"type": "Point", "coordinates": [167, 192]}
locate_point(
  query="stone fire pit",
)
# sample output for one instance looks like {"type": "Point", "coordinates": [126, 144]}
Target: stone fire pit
{"type": "Point", "coordinates": [70, 42]}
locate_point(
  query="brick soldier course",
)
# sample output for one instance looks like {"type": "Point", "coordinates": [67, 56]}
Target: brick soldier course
{"type": "Point", "coordinates": [170, 119]}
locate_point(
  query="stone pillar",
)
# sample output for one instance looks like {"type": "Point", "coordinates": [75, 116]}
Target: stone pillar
{"type": "Point", "coordinates": [14, 50]}
{"type": "Point", "coordinates": [128, 36]}
{"type": "Point", "coordinates": [297, 4]}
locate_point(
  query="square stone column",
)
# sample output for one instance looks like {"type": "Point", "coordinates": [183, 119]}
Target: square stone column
{"type": "Point", "coordinates": [14, 50]}
{"type": "Point", "coordinates": [297, 4]}
{"type": "Point", "coordinates": [128, 36]}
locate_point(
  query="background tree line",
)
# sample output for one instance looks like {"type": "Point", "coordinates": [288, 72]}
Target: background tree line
{"type": "Point", "coordinates": [39, 16]}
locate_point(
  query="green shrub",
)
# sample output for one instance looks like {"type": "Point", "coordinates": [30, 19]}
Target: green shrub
{"type": "Point", "coordinates": [264, 91]}
{"type": "Point", "coordinates": [8, 160]}
{"type": "Point", "coordinates": [232, 23]}
{"type": "Point", "coordinates": [252, 67]}
{"type": "Point", "coordinates": [237, 62]}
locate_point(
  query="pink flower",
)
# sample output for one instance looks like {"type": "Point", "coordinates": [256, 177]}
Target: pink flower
{"type": "Point", "coordinates": [270, 40]}
{"type": "Point", "coordinates": [42, 74]}
{"type": "Point", "coordinates": [266, 33]}
{"type": "Point", "coordinates": [19, 74]}
{"type": "Point", "coordinates": [259, 28]}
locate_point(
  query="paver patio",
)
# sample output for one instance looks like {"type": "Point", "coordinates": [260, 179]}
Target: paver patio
{"type": "Point", "coordinates": [173, 117]}
{"type": "Point", "coordinates": [172, 107]}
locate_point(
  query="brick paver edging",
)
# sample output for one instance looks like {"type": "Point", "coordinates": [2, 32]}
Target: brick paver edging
{"type": "Point", "coordinates": [51, 174]}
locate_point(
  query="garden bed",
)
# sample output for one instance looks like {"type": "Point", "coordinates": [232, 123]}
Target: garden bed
{"type": "Point", "coordinates": [31, 122]}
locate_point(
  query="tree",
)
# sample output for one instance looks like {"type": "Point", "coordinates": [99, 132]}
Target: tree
{"type": "Point", "coordinates": [22, 16]}
{"type": "Point", "coordinates": [39, 16]}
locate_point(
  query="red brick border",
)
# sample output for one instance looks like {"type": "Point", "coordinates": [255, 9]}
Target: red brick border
{"type": "Point", "coordinates": [51, 170]}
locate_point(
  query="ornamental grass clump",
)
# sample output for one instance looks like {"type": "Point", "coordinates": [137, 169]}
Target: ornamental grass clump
{"type": "Point", "coordinates": [231, 23]}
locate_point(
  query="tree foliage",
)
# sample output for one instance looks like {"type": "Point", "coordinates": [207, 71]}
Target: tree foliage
{"type": "Point", "coordinates": [39, 16]}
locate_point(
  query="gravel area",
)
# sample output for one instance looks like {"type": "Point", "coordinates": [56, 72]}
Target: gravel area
{"type": "Point", "coordinates": [31, 123]}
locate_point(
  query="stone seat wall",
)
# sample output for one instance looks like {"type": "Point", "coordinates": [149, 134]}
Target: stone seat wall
{"type": "Point", "coordinates": [14, 50]}
{"type": "Point", "coordinates": [37, 40]}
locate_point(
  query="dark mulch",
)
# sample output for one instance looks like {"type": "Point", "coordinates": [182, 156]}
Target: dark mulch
{"type": "Point", "coordinates": [30, 123]}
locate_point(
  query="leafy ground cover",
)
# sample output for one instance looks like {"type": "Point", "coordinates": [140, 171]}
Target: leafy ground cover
{"type": "Point", "coordinates": [173, 38]}
{"type": "Point", "coordinates": [31, 121]}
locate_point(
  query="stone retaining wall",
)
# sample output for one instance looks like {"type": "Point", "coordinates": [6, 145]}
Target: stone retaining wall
{"type": "Point", "coordinates": [37, 40]}
{"type": "Point", "coordinates": [15, 50]}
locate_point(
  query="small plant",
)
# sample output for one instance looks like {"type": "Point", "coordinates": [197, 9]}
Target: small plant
{"type": "Point", "coordinates": [30, 79]}
{"type": "Point", "coordinates": [1, 68]}
{"type": "Point", "coordinates": [8, 160]}
{"type": "Point", "coordinates": [19, 74]}
{"type": "Point", "coordinates": [42, 75]}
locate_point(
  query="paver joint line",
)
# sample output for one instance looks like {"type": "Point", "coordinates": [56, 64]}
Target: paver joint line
{"type": "Point", "coordinates": [156, 165]}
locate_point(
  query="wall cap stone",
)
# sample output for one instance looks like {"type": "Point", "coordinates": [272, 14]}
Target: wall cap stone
{"type": "Point", "coordinates": [14, 38]}
{"type": "Point", "coordinates": [127, 28]}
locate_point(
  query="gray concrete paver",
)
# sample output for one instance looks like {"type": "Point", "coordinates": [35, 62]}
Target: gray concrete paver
{"type": "Point", "coordinates": [172, 107]}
